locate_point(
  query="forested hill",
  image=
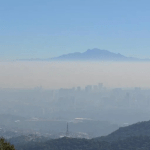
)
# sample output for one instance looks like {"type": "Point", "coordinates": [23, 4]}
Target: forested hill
{"type": "Point", "coordinates": [138, 129]}
{"type": "Point", "coordinates": [133, 137]}
{"type": "Point", "coordinates": [132, 143]}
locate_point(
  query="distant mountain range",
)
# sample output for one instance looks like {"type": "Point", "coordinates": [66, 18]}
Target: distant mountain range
{"type": "Point", "coordinates": [90, 55]}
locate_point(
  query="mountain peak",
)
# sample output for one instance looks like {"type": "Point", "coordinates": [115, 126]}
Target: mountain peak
{"type": "Point", "coordinates": [96, 50]}
{"type": "Point", "coordinates": [92, 55]}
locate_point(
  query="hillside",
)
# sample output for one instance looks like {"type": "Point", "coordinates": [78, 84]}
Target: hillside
{"type": "Point", "coordinates": [133, 137]}
{"type": "Point", "coordinates": [137, 129]}
{"type": "Point", "coordinates": [24, 139]}
{"type": "Point", "coordinates": [132, 143]}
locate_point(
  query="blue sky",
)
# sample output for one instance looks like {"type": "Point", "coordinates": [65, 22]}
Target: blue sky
{"type": "Point", "coordinates": [48, 28]}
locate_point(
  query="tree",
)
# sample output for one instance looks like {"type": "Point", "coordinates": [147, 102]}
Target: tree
{"type": "Point", "coordinates": [4, 145]}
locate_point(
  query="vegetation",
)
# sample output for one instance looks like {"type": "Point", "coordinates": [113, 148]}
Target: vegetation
{"type": "Point", "coordinates": [132, 143]}
{"type": "Point", "coordinates": [4, 145]}
{"type": "Point", "coordinates": [23, 139]}
{"type": "Point", "coordinates": [137, 129]}
{"type": "Point", "coordinates": [133, 137]}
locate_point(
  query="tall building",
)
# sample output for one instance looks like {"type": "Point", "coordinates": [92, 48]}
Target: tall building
{"type": "Point", "coordinates": [95, 87]}
{"type": "Point", "coordinates": [88, 88]}
{"type": "Point", "coordinates": [100, 85]}
{"type": "Point", "coordinates": [78, 88]}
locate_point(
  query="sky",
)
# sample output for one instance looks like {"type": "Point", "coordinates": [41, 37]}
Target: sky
{"type": "Point", "coordinates": [49, 28]}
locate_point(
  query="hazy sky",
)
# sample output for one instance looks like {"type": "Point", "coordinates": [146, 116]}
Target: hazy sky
{"type": "Point", "coordinates": [67, 75]}
{"type": "Point", "coordinates": [47, 28]}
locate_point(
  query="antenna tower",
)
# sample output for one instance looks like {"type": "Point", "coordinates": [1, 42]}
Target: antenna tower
{"type": "Point", "coordinates": [67, 131]}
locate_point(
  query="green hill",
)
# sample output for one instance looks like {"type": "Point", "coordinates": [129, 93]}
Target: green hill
{"type": "Point", "coordinates": [133, 137]}
{"type": "Point", "coordinates": [137, 129]}
{"type": "Point", "coordinates": [132, 143]}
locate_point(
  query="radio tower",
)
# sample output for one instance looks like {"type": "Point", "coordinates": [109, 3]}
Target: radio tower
{"type": "Point", "coordinates": [67, 131]}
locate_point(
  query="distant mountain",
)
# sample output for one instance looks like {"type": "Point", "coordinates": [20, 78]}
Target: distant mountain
{"type": "Point", "coordinates": [89, 55]}
{"type": "Point", "coordinates": [138, 129]}
{"type": "Point", "coordinates": [94, 55]}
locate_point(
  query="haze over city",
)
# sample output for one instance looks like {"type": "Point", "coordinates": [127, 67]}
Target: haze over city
{"type": "Point", "coordinates": [56, 75]}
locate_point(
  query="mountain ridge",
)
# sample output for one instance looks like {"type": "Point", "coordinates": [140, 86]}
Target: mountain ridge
{"type": "Point", "coordinates": [91, 55]}
{"type": "Point", "coordinates": [132, 137]}
{"type": "Point", "coordinates": [137, 129]}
